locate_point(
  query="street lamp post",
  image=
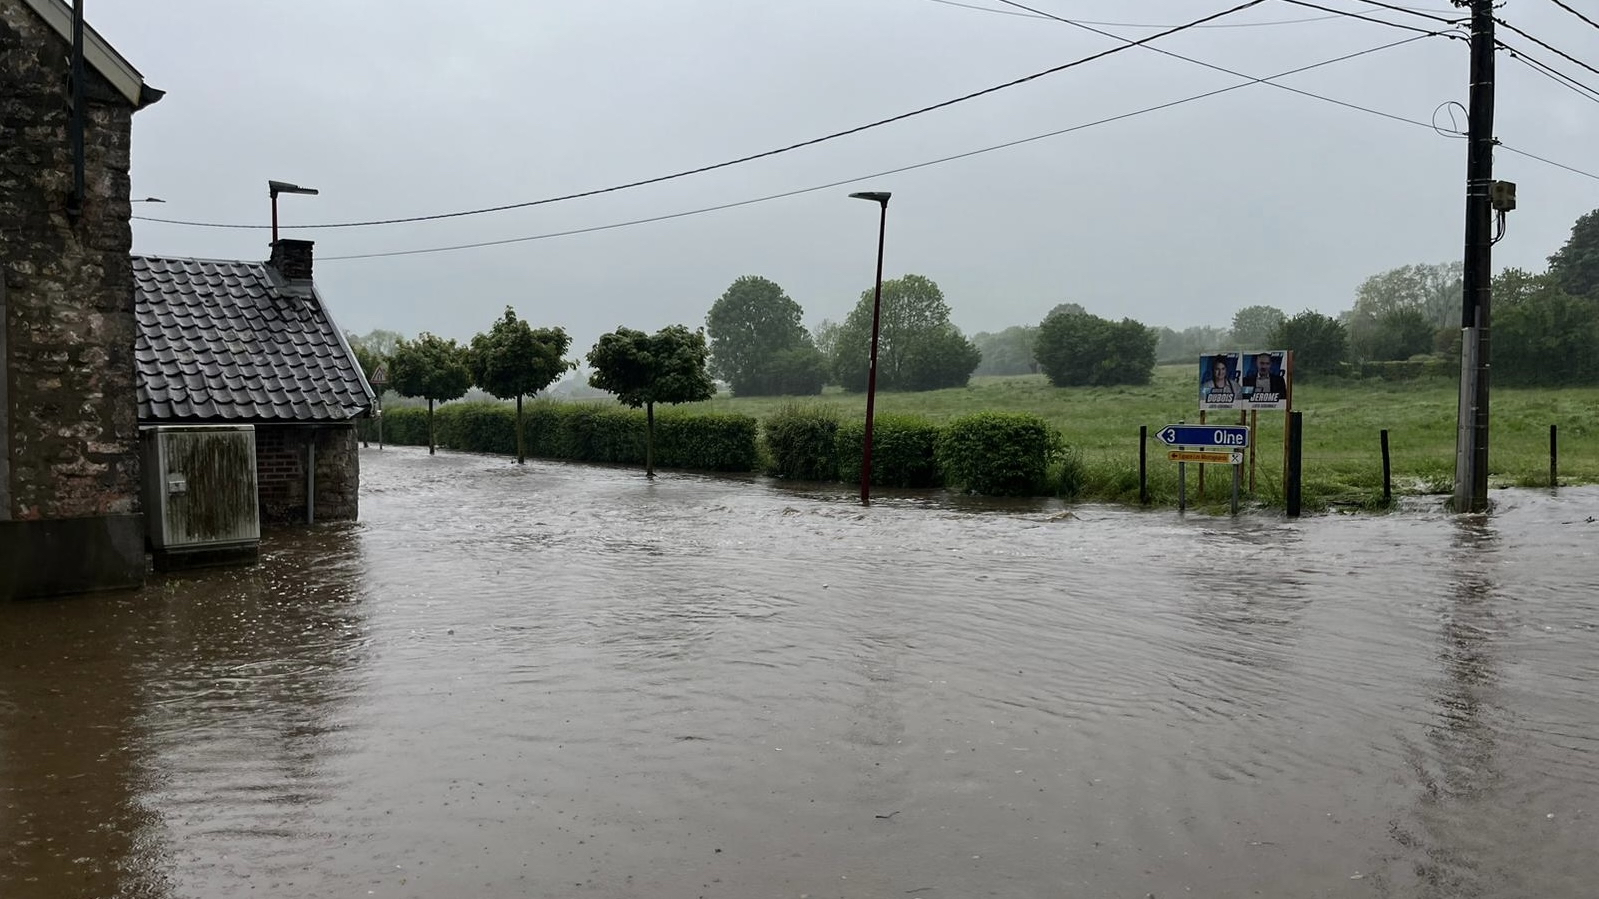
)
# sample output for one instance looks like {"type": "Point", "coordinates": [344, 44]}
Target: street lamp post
{"type": "Point", "coordinates": [881, 199]}
{"type": "Point", "coordinates": [283, 187]}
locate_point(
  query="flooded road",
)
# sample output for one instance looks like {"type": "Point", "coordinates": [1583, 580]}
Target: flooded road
{"type": "Point", "coordinates": [564, 681]}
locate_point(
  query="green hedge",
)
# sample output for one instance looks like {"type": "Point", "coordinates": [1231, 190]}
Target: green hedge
{"type": "Point", "coordinates": [802, 443]}
{"type": "Point", "coordinates": [903, 451]}
{"type": "Point", "coordinates": [992, 453]}
{"type": "Point", "coordinates": [581, 432]}
{"type": "Point", "coordinates": [998, 453]}
{"type": "Point", "coordinates": [403, 425]}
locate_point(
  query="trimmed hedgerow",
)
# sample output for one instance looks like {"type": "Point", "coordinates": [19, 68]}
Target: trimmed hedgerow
{"type": "Point", "coordinates": [802, 443]}
{"type": "Point", "coordinates": [583, 432]}
{"type": "Point", "coordinates": [903, 451]}
{"type": "Point", "coordinates": [998, 453]}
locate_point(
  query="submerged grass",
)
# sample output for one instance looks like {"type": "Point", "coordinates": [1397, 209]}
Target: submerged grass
{"type": "Point", "coordinates": [1342, 455]}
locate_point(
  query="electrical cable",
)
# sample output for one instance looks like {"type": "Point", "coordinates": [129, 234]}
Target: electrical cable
{"type": "Point", "coordinates": [1237, 74]}
{"type": "Point", "coordinates": [1561, 53]}
{"type": "Point", "coordinates": [1024, 15]}
{"type": "Point", "coordinates": [1411, 11]}
{"type": "Point", "coordinates": [1356, 15]}
{"type": "Point", "coordinates": [1552, 73]}
{"type": "Point", "coordinates": [1559, 165]}
{"type": "Point", "coordinates": [894, 171]}
{"type": "Point", "coordinates": [742, 159]}
{"type": "Point", "coordinates": [1579, 15]}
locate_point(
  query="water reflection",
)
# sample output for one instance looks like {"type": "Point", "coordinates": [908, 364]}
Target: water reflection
{"type": "Point", "coordinates": [155, 732]}
{"type": "Point", "coordinates": [72, 751]}
{"type": "Point", "coordinates": [551, 679]}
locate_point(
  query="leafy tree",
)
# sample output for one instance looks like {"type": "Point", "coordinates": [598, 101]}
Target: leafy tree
{"type": "Point", "coordinates": [749, 325]}
{"type": "Point", "coordinates": [1433, 290]}
{"type": "Point", "coordinates": [513, 359]}
{"type": "Point", "coordinates": [668, 366]}
{"type": "Point", "coordinates": [1576, 265]}
{"type": "Point", "coordinates": [1319, 342]}
{"type": "Point", "coordinates": [825, 337]}
{"type": "Point", "coordinates": [937, 358]}
{"type": "Point", "coordinates": [1543, 336]}
{"type": "Point", "coordinates": [1077, 349]}
{"type": "Point", "coordinates": [1254, 325]}
{"type": "Point", "coordinates": [798, 371]}
{"type": "Point", "coordinates": [914, 318]}
{"type": "Point", "coordinates": [369, 362]}
{"type": "Point", "coordinates": [430, 367]}
{"type": "Point", "coordinates": [1189, 344]}
{"type": "Point", "coordinates": [1401, 334]}
{"type": "Point", "coordinates": [377, 341]}
{"type": "Point", "coordinates": [1008, 352]}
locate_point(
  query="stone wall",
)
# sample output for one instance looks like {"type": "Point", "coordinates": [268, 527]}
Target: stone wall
{"type": "Point", "coordinates": [70, 414]}
{"type": "Point", "coordinates": [280, 457]}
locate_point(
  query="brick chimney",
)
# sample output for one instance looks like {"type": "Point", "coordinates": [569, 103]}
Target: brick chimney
{"type": "Point", "coordinates": [292, 258]}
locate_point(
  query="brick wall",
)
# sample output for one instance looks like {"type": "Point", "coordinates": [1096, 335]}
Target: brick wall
{"type": "Point", "coordinates": [280, 456]}
{"type": "Point", "coordinates": [70, 429]}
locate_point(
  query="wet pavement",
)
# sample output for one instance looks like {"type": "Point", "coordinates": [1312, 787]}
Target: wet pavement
{"type": "Point", "coordinates": [561, 680]}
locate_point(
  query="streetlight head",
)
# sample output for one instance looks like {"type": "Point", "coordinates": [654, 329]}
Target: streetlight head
{"type": "Point", "coordinates": [283, 187]}
{"type": "Point", "coordinates": [148, 200]}
{"type": "Point", "coordinates": [876, 196]}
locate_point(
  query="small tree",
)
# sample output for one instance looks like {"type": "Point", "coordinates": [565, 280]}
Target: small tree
{"type": "Point", "coordinates": [429, 367]}
{"type": "Point", "coordinates": [644, 369]}
{"type": "Point", "coordinates": [1076, 349]}
{"type": "Point", "coordinates": [749, 326]}
{"type": "Point", "coordinates": [1253, 327]}
{"type": "Point", "coordinates": [913, 313]}
{"type": "Point", "coordinates": [514, 359]}
{"type": "Point", "coordinates": [1320, 343]}
{"type": "Point", "coordinates": [1576, 265]}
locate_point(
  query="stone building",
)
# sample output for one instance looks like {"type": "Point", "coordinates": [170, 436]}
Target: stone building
{"type": "Point", "coordinates": [228, 342]}
{"type": "Point", "coordinates": [70, 517]}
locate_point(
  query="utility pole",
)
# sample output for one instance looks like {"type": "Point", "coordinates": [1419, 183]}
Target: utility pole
{"type": "Point", "coordinates": [1471, 442]}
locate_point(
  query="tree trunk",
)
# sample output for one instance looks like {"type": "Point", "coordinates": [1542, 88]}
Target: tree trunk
{"type": "Point", "coordinates": [521, 452]}
{"type": "Point", "coordinates": [649, 440]}
{"type": "Point", "coordinates": [430, 426]}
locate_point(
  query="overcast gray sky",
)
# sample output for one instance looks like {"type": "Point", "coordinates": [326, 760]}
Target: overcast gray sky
{"type": "Point", "coordinates": [1179, 217]}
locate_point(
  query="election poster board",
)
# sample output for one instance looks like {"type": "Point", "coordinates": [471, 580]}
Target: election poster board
{"type": "Point", "coordinates": [1257, 379]}
{"type": "Point", "coordinates": [1219, 381]}
{"type": "Point", "coordinates": [1263, 382]}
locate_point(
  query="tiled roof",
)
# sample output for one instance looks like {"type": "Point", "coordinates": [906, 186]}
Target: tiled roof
{"type": "Point", "coordinates": [235, 341]}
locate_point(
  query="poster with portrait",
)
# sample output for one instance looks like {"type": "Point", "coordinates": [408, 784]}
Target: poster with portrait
{"type": "Point", "coordinates": [1263, 383]}
{"type": "Point", "coordinates": [1219, 382]}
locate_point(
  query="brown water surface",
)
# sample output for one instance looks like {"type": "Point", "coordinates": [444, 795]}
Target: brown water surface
{"type": "Point", "coordinates": [559, 680]}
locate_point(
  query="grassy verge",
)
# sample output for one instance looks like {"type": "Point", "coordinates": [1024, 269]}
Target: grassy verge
{"type": "Point", "coordinates": [1342, 458]}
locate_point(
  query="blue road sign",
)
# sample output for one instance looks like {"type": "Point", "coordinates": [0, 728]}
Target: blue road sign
{"type": "Point", "coordinates": [1204, 435]}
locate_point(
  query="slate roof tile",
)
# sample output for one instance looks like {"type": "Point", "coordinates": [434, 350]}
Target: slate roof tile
{"type": "Point", "coordinates": [219, 339]}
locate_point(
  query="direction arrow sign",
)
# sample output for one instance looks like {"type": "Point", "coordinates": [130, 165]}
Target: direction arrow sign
{"type": "Point", "coordinates": [1204, 435]}
{"type": "Point", "coordinates": [1206, 458]}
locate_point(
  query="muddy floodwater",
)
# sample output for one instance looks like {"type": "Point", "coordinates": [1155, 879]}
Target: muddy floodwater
{"type": "Point", "coordinates": [558, 680]}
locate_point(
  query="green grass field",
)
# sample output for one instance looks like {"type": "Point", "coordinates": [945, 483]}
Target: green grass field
{"type": "Point", "coordinates": [1342, 455]}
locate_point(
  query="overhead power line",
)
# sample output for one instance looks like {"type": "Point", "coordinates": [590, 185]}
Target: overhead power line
{"type": "Point", "coordinates": [1237, 74]}
{"type": "Point", "coordinates": [1558, 52]}
{"type": "Point", "coordinates": [754, 156]}
{"type": "Point", "coordinates": [1552, 73]}
{"type": "Point", "coordinates": [1412, 11]}
{"type": "Point", "coordinates": [1558, 165]}
{"type": "Point", "coordinates": [1375, 21]}
{"type": "Point", "coordinates": [894, 171]}
{"type": "Point", "coordinates": [1579, 15]}
{"type": "Point", "coordinates": [1026, 15]}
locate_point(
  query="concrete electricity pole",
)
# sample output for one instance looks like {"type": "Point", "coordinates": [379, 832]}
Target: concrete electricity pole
{"type": "Point", "coordinates": [1471, 444]}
